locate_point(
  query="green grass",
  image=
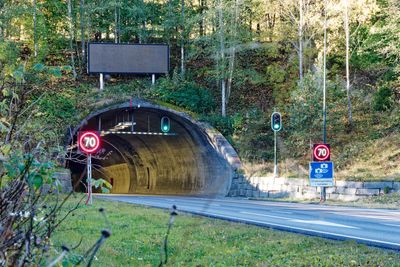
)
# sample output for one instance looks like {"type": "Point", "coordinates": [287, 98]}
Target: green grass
{"type": "Point", "coordinates": [138, 232]}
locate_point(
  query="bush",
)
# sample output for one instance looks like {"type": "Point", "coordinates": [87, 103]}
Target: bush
{"type": "Point", "coordinates": [383, 99]}
{"type": "Point", "coordinates": [223, 124]}
{"type": "Point", "coordinates": [186, 94]}
{"type": "Point", "coordinates": [254, 138]}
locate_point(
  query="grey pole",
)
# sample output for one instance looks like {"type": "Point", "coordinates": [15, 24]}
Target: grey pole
{"type": "Point", "coordinates": [101, 81]}
{"type": "Point", "coordinates": [153, 79]}
{"type": "Point", "coordinates": [323, 191]}
{"type": "Point", "coordinates": [275, 157]}
{"type": "Point", "coordinates": [89, 178]}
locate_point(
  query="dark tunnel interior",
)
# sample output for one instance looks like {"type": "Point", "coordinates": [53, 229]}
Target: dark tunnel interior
{"type": "Point", "coordinates": [136, 158]}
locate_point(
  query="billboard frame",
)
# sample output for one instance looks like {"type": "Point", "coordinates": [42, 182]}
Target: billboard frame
{"type": "Point", "coordinates": [125, 44]}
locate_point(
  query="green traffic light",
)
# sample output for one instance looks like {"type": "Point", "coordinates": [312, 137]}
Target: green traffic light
{"type": "Point", "coordinates": [276, 121]}
{"type": "Point", "coordinates": [165, 124]}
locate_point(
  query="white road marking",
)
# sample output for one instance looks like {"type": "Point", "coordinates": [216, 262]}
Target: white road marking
{"type": "Point", "coordinates": [265, 215]}
{"type": "Point", "coordinates": [285, 212]}
{"type": "Point", "coordinates": [388, 217]}
{"type": "Point", "coordinates": [319, 222]}
{"type": "Point", "coordinates": [388, 224]}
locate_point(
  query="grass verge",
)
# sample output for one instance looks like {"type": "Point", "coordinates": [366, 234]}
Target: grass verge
{"type": "Point", "coordinates": [138, 232]}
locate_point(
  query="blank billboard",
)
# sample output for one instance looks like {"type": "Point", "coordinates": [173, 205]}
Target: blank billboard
{"type": "Point", "coordinates": [128, 58]}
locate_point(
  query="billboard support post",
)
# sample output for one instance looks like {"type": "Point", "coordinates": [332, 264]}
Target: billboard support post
{"type": "Point", "coordinates": [101, 81]}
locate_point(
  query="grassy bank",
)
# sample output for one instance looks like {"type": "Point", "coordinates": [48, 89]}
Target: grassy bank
{"type": "Point", "coordinates": [138, 232]}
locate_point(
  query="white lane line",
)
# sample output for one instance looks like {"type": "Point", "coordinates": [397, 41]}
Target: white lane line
{"type": "Point", "coordinates": [284, 212]}
{"type": "Point", "coordinates": [389, 224]}
{"type": "Point", "coordinates": [265, 215]}
{"type": "Point", "coordinates": [306, 230]}
{"type": "Point", "coordinates": [390, 217]}
{"type": "Point", "coordinates": [319, 222]}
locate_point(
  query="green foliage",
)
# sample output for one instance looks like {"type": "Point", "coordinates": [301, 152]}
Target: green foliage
{"type": "Point", "coordinates": [104, 185]}
{"type": "Point", "coordinates": [305, 112]}
{"type": "Point", "coordinates": [58, 108]}
{"type": "Point", "coordinates": [383, 99]}
{"type": "Point", "coordinates": [185, 94]}
{"type": "Point", "coordinates": [26, 166]}
{"type": "Point", "coordinates": [223, 124]}
{"type": "Point", "coordinates": [254, 138]}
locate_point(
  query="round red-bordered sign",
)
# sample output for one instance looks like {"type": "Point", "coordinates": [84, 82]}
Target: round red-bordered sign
{"type": "Point", "coordinates": [321, 152]}
{"type": "Point", "coordinates": [89, 142]}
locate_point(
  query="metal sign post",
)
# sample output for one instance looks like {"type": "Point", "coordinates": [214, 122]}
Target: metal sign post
{"type": "Point", "coordinates": [89, 143]}
{"type": "Point", "coordinates": [89, 179]}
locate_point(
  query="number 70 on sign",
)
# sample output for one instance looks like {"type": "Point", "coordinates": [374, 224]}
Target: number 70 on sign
{"type": "Point", "coordinates": [321, 152]}
{"type": "Point", "coordinates": [88, 142]}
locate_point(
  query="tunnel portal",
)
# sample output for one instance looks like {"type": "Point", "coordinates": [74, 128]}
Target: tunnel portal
{"type": "Point", "coordinates": [136, 157]}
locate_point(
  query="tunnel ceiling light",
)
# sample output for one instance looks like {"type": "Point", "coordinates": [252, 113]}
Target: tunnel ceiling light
{"type": "Point", "coordinates": [122, 126]}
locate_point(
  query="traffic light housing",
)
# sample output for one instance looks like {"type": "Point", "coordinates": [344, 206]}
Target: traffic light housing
{"type": "Point", "coordinates": [276, 121]}
{"type": "Point", "coordinates": [165, 124]}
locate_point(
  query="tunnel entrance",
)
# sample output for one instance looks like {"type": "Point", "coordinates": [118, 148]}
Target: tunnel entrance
{"type": "Point", "coordinates": [136, 157]}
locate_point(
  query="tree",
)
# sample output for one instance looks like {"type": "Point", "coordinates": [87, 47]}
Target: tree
{"type": "Point", "coordinates": [71, 37]}
{"type": "Point", "coordinates": [347, 34]}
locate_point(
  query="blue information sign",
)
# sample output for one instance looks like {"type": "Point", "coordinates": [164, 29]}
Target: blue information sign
{"type": "Point", "coordinates": [321, 173]}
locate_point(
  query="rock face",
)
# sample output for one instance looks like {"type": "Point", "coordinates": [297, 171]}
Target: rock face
{"type": "Point", "coordinates": [195, 160]}
{"type": "Point", "coordinates": [63, 177]}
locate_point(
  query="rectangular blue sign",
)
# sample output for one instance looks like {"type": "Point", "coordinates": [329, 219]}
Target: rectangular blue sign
{"type": "Point", "coordinates": [321, 173]}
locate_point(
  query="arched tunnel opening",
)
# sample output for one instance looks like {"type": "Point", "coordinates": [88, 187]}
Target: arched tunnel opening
{"type": "Point", "coordinates": [136, 157]}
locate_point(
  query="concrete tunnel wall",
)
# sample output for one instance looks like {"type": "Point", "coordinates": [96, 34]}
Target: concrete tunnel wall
{"type": "Point", "coordinates": [198, 160]}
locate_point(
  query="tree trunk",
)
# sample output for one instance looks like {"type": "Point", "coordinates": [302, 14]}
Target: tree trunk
{"type": "Point", "coordinates": [203, 5]}
{"type": "Point", "coordinates": [71, 32]}
{"type": "Point", "coordinates": [83, 43]}
{"type": "Point", "coordinates": [183, 38]}
{"type": "Point", "coordinates": [222, 58]}
{"type": "Point", "coordinates": [116, 22]}
{"type": "Point", "coordinates": [233, 53]}
{"type": "Point", "coordinates": [300, 34]}
{"type": "Point", "coordinates": [35, 44]}
{"type": "Point", "coordinates": [347, 33]}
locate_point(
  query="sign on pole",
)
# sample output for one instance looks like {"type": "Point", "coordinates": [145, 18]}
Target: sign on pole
{"type": "Point", "coordinates": [321, 152]}
{"type": "Point", "coordinates": [89, 143]}
{"type": "Point", "coordinates": [321, 173]}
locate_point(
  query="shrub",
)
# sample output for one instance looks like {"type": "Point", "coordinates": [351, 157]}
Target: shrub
{"type": "Point", "coordinates": [383, 99]}
{"type": "Point", "coordinates": [186, 94]}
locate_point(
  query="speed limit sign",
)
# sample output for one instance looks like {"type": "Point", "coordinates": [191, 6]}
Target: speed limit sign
{"type": "Point", "coordinates": [89, 142]}
{"type": "Point", "coordinates": [321, 152]}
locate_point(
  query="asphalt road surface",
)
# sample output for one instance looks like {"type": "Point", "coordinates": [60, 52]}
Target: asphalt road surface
{"type": "Point", "coordinates": [374, 227]}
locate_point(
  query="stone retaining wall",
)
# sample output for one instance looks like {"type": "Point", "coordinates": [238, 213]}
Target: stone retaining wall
{"type": "Point", "coordinates": [270, 187]}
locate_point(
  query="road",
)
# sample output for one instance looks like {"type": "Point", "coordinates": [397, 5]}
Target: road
{"type": "Point", "coordinates": [374, 227]}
